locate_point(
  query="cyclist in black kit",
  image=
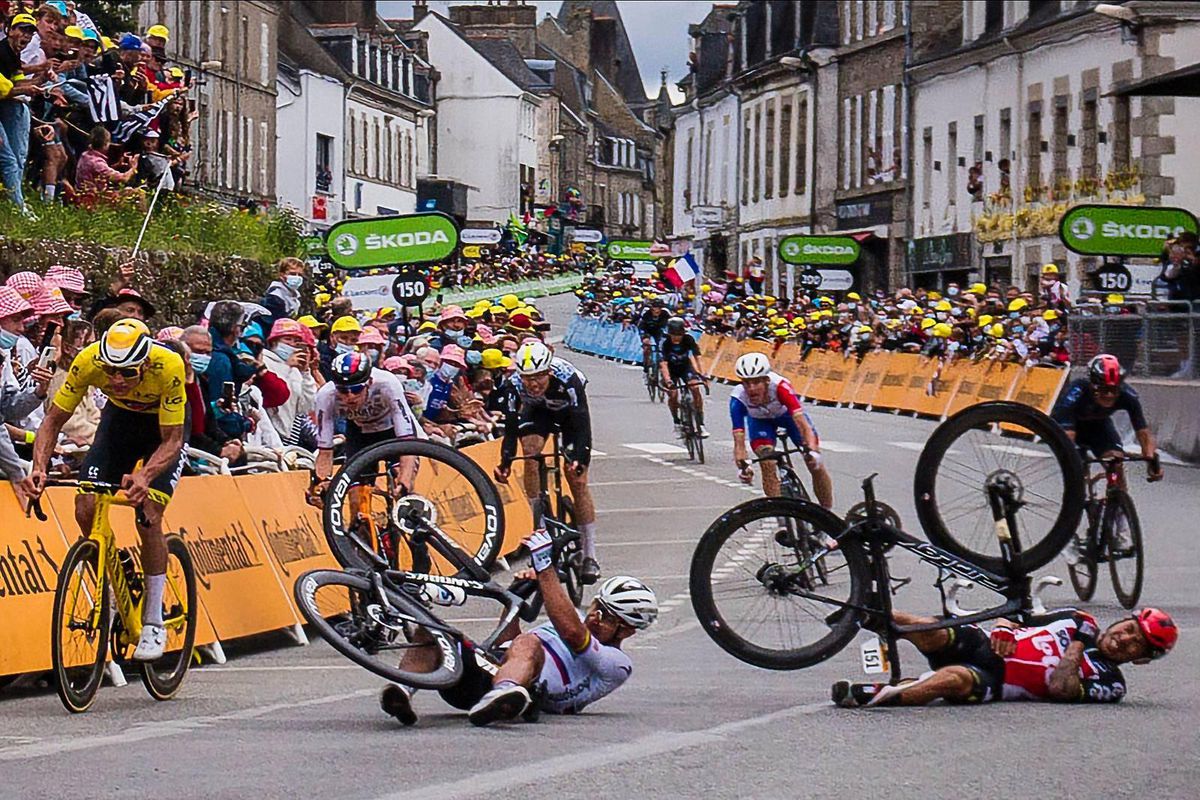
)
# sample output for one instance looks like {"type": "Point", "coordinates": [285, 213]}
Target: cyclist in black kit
{"type": "Point", "coordinates": [678, 361]}
{"type": "Point", "coordinates": [652, 325]}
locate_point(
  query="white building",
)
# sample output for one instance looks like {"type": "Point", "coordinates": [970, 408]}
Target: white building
{"type": "Point", "coordinates": [1032, 94]}
{"type": "Point", "coordinates": [706, 173]}
{"type": "Point", "coordinates": [487, 119]}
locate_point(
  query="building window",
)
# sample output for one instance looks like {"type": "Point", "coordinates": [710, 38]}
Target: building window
{"type": "Point", "coordinates": [1088, 146]}
{"type": "Point", "coordinates": [1061, 170]}
{"type": "Point", "coordinates": [263, 160]}
{"type": "Point", "coordinates": [361, 47]}
{"type": "Point", "coordinates": [952, 163]}
{"type": "Point", "coordinates": [889, 14]}
{"type": "Point", "coordinates": [708, 154]}
{"type": "Point", "coordinates": [1034, 148]}
{"type": "Point", "coordinates": [856, 138]}
{"type": "Point", "coordinates": [352, 141]}
{"type": "Point", "coordinates": [785, 147]}
{"type": "Point", "coordinates": [801, 146]}
{"type": "Point", "coordinates": [687, 186]}
{"type": "Point", "coordinates": [993, 16]}
{"type": "Point", "coordinates": [769, 152]}
{"type": "Point", "coordinates": [847, 142]}
{"type": "Point", "coordinates": [245, 45]}
{"type": "Point", "coordinates": [926, 166]}
{"type": "Point", "coordinates": [324, 178]}
{"type": "Point", "coordinates": [1120, 146]}
{"type": "Point", "coordinates": [264, 58]}
{"type": "Point", "coordinates": [746, 158]}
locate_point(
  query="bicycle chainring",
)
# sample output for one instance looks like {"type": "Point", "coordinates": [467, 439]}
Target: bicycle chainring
{"type": "Point", "coordinates": [414, 512]}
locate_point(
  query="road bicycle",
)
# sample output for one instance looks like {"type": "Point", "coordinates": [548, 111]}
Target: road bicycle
{"type": "Point", "coordinates": [366, 510]}
{"type": "Point", "coordinates": [83, 625]}
{"type": "Point", "coordinates": [1016, 469]}
{"type": "Point", "coordinates": [690, 417]}
{"type": "Point", "coordinates": [555, 511]}
{"type": "Point", "coordinates": [650, 370]}
{"type": "Point", "coordinates": [1114, 535]}
{"type": "Point", "coordinates": [383, 618]}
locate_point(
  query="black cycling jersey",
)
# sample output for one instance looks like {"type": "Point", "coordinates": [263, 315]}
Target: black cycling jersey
{"type": "Point", "coordinates": [652, 323]}
{"type": "Point", "coordinates": [1078, 407]}
{"type": "Point", "coordinates": [676, 354]}
{"type": "Point", "coordinates": [563, 405]}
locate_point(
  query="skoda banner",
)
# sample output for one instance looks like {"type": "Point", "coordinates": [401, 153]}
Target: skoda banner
{"type": "Point", "coordinates": [819, 250]}
{"type": "Point", "coordinates": [1095, 230]}
{"type": "Point", "coordinates": [622, 250]}
{"type": "Point", "coordinates": [389, 241]}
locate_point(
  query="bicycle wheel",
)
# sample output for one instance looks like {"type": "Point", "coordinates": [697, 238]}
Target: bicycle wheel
{"type": "Point", "coordinates": [1083, 574]}
{"type": "Point", "coordinates": [79, 638]}
{"type": "Point", "coordinates": [758, 599]}
{"type": "Point", "coordinates": [570, 570]}
{"type": "Point", "coordinates": [163, 677]}
{"type": "Point", "coordinates": [1123, 538]}
{"type": "Point", "coordinates": [451, 494]}
{"type": "Point", "coordinates": [689, 426]}
{"type": "Point", "coordinates": [802, 534]}
{"type": "Point", "coordinates": [968, 453]}
{"type": "Point", "coordinates": [400, 642]}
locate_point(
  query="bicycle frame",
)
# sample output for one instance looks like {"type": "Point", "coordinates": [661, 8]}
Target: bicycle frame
{"type": "Point", "coordinates": [782, 457]}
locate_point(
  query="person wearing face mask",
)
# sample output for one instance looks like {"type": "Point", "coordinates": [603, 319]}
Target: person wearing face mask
{"type": "Point", "coordinates": [204, 433]}
{"type": "Point", "coordinates": [1054, 293]}
{"type": "Point", "coordinates": [287, 286]}
{"type": "Point", "coordinates": [441, 384]}
{"type": "Point", "coordinates": [371, 343]}
{"type": "Point", "coordinates": [343, 339]}
{"type": "Point", "coordinates": [287, 357]}
{"type": "Point", "coordinates": [451, 326]}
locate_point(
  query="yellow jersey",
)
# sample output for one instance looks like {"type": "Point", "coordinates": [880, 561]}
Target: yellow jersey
{"type": "Point", "coordinates": [160, 391]}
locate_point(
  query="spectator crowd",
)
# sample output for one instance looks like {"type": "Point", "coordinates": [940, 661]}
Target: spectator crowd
{"type": "Point", "coordinates": [88, 115]}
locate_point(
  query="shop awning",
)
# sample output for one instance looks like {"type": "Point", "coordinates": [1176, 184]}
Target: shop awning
{"type": "Point", "coordinates": [1182, 82]}
{"type": "Point", "coordinates": [861, 235]}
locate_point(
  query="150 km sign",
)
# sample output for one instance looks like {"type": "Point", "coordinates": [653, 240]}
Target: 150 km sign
{"type": "Point", "coordinates": [1106, 230]}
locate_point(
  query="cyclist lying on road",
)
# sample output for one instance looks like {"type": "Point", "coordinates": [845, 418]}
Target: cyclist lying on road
{"type": "Point", "coordinates": [558, 667]}
{"type": "Point", "coordinates": [1068, 659]}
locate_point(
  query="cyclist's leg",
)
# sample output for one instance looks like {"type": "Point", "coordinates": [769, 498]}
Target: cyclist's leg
{"type": "Point", "coordinates": [154, 543]}
{"type": "Point", "coordinates": [672, 395]}
{"type": "Point", "coordinates": [522, 664]}
{"type": "Point", "coordinates": [108, 460]}
{"type": "Point", "coordinates": [534, 426]}
{"type": "Point", "coordinates": [694, 385]}
{"type": "Point", "coordinates": [761, 435]}
{"type": "Point", "coordinates": [577, 448]}
{"type": "Point", "coordinates": [822, 481]}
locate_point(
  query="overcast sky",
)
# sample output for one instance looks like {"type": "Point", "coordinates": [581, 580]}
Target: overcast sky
{"type": "Point", "coordinates": [657, 30]}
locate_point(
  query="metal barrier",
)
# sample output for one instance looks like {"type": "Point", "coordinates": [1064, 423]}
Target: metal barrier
{"type": "Point", "coordinates": [1153, 339]}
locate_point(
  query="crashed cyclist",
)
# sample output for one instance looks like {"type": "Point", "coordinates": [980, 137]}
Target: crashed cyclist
{"type": "Point", "coordinates": [558, 667]}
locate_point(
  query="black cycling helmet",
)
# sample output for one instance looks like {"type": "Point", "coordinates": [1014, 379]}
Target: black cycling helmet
{"type": "Point", "coordinates": [1105, 371]}
{"type": "Point", "coordinates": [675, 326]}
{"type": "Point", "coordinates": [350, 369]}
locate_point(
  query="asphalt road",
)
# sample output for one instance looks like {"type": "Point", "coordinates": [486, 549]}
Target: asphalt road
{"type": "Point", "coordinates": [285, 721]}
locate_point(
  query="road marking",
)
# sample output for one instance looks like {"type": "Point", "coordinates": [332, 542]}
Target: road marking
{"type": "Point", "coordinates": [641, 482]}
{"type": "Point", "coordinates": [916, 447]}
{"type": "Point", "coordinates": [841, 447]}
{"type": "Point", "coordinates": [650, 543]}
{"type": "Point", "coordinates": [216, 669]}
{"type": "Point", "coordinates": [1012, 449]}
{"type": "Point", "coordinates": [644, 509]}
{"type": "Point", "coordinates": [656, 448]}
{"type": "Point", "coordinates": [641, 749]}
{"type": "Point", "coordinates": [160, 730]}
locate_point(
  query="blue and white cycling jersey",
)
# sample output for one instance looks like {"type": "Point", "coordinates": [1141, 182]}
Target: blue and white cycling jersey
{"type": "Point", "coordinates": [573, 680]}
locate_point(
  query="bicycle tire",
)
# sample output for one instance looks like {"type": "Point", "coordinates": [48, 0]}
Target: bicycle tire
{"type": "Point", "coordinates": [688, 425]}
{"type": "Point", "coordinates": [77, 685]}
{"type": "Point", "coordinates": [165, 684]}
{"type": "Point", "coordinates": [348, 638]}
{"type": "Point", "coordinates": [983, 417]}
{"type": "Point", "coordinates": [572, 562]}
{"type": "Point", "coordinates": [486, 500]}
{"type": "Point", "coordinates": [805, 535]}
{"type": "Point", "coordinates": [703, 566]}
{"type": "Point", "coordinates": [699, 445]}
{"type": "Point", "coordinates": [1083, 577]}
{"type": "Point", "coordinates": [1127, 593]}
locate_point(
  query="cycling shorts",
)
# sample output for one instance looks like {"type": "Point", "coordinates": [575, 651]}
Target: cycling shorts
{"type": "Point", "coordinates": [357, 440]}
{"type": "Point", "coordinates": [971, 647]}
{"type": "Point", "coordinates": [576, 430]}
{"type": "Point", "coordinates": [1098, 438]}
{"type": "Point", "coordinates": [123, 438]}
{"type": "Point", "coordinates": [762, 432]}
{"type": "Point", "coordinates": [683, 372]}
{"type": "Point", "coordinates": [472, 686]}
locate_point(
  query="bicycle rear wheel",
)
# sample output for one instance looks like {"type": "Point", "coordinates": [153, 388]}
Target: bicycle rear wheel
{"type": "Point", "coordinates": [400, 641]}
{"type": "Point", "coordinates": [79, 638]}
{"type": "Point", "coordinates": [452, 495]}
{"type": "Point", "coordinates": [761, 601]}
{"type": "Point", "coordinates": [1123, 538]}
{"type": "Point", "coordinates": [968, 453]}
{"type": "Point", "coordinates": [163, 677]}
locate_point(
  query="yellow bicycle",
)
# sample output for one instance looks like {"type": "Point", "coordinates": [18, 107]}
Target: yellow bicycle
{"type": "Point", "coordinates": [95, 568]}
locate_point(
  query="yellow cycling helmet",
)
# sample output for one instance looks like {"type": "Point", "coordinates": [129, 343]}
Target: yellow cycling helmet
{"type": "Point", "coordinates": [126, 344]}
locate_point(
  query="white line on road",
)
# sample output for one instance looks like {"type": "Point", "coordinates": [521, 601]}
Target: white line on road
{"type": "Point", "coordinates": [643, 509]}
{"type": "Point", "coordinates": [656, 448]}
{"type": "Point", "coordinates": [217, 669]}
{"type": "Point", "coordinates": [649, 746]}
{"type": "Point", "coordinates": [651, 543]}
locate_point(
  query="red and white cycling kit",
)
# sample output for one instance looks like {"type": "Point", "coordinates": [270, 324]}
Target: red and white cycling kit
{"type": "Point", "coordinates": [761, 421]}
{"type": "Point", "coordinates": [1027, 671]}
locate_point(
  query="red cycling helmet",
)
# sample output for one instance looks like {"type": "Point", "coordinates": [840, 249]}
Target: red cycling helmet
{"type": "Point", "coordinates": [1105, 370]}
{"type": "Point", "coordinates": [1159, 630]}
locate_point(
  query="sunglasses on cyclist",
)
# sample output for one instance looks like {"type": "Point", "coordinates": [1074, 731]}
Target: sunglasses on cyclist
{"type": "Point", "coordinates": [124, 372]}
{"type": "Point", "coordinates": [355, 389]}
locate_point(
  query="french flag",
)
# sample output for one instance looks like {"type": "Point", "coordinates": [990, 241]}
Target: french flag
{"type": "Point", "coordinates": [681, 270]}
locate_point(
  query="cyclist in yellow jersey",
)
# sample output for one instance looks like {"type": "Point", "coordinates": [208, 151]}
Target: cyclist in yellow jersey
{"type": "Point", "coordinates": [144, 420]}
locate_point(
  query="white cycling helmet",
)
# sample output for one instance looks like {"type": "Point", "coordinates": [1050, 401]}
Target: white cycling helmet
{"type": "Point", "coordinates": [532, 358]}
{"type": "Point", "coordinates": [125, 344]}
{"type": "Point", "coordinates": [630, 600]}
{"type": "Point", "coordinates": [752, 365]}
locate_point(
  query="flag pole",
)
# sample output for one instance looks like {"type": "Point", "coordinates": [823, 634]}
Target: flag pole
{"type": "Point", "coordinates": [146, 221]}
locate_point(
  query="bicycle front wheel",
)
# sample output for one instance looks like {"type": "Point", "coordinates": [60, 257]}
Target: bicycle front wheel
{"type": "Point", "coordinates": [451, 497]}
{"type": "Point", "coordinates": [760, 598]}
{"type": "Point", "coordinates": [163, 677]}
{"type": "Point", "coordinates": [969, 453]}
{"type": "Point", "coordinates": [1123, 535]}
{"type": "Point", "coordinates": [79, 638]}
{"type": "Point", "coordinates": [399, 641]}
{"type": "Point", "coordinates": [571, 569]}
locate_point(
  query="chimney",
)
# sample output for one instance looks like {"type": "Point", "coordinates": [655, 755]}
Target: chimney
{"type": "Point", "coordinates": [420, 10]}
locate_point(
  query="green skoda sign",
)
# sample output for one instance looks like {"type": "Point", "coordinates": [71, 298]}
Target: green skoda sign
{"type": "Point", "coordinates": [819, 250]}
{"type": "Point", "coordinates": [390, 241]}
{"type": "Point", "coordinates": [1094, 230]}
{"type": "Point", "coordinates": [632, 251]}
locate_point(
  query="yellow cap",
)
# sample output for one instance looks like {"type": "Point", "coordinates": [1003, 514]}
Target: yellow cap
{"type": "Point", "coordinates": [484, 304]}
{"type": "Point", "coordinates": [706, 287]}
{"type": "Point", "coordinates": [827, 314]}
{"type": "Point", "coordinates": [769, 301]}
{"type": "Point", "coordinates": [1050, 269]}
{"type": "Point", "coordinates": [498, 310]}
{"type": "Point", "coordinates": [23, 19]}
{"type": "Point", "coordinates": [474, 313]}
{"type": "Point", "coordinates": [495, 359]}
{"type": "Point", "coordinates": [74, 32]}
{"type": "Point", "coordinates": [427, 325]}
{"type": "Point", "coordinates": [942, 330]}
{"type": "Point", "coordinates": [985, 320]}
{"type": "Point", "coordinates": [863, 329]}
{"type": "Point", "coordinates": [309, 321]}
{"type": "Point", "coordinates": [1115, 299]}
{"type": "Point", "coordinates": [996, 330]}
{"type": "Point", "coordinates": [854, 296]}
{"type": "Point", "coordinates": [511, 301]}
{"type": "Point", "coordinates": [928, 323]}
{"type": "Point", "coordinates": [1049, 313]}
{"type": "Point", "coordinates": [159, 31]}
{"type": "Point", "coordinates": [1018, 304]}
{"type": "Point", "coordinates": [943, 305]}
{"type": "Point", "coordinates": [977, 288]}
{"type": "Point", "coordinates": [107, 43]}
{"type": "Point", "coordinates": [934, 295]}
{"type": "Point", "coordinates": [321, 298]}
{"type": "Point", "coordinates": [892, 323]}
{"type": "Point", "coordinates": [343, 324]}
{"type": "Point", "coordinates": [780, 331]}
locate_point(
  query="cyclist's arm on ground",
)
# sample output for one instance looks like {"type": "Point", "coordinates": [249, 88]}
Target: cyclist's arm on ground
{"type": "Point", "coordinates": [561, 611]}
